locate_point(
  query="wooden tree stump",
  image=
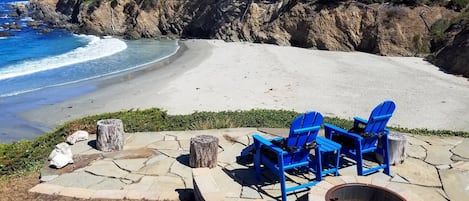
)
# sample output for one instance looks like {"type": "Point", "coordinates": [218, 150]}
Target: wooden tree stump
{"type": "Point", "coordinates": [110, 135]}
{"type": "Point", "coordinates": [203, 151]}
{"type": "Point", "coordinates": [397, 148]}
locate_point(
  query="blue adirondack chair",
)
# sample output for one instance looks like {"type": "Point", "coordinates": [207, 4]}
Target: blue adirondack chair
{"type": "Point", "coordinates": [294, 154]}
{"type": "Point", "coordinates": [364, 136]}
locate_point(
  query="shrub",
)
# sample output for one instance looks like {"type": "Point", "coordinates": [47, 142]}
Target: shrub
{"type": "Point", "coordinates": [421, 45]}
{"type": "Point", "coordinates": [458, 4]}
{"type": "Point", "coordinates": [439, 27]}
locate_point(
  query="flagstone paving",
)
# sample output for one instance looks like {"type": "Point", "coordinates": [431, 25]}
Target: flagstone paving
{"type": "Point", "coordinates": [155, 166]}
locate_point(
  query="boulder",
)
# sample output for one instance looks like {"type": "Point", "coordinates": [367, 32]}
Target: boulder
{"type": "Point", "coordinates": [5, 34]}
{"type": "Point", "coordinates": [18, 10]}
{"type": "Point", "coordinates": [33, 24]}
{"type": "Point", "coordinates": [77, 136]}
{"type": "Point", "coordinates": [12, 26]}
{"type": "Point", "coordinates": [61, 156]}
{"type": "Point", "coordinates": [44, 30]}
{"type": "Point", "coordinates": [21, 9]}
{"type": "Point", "coordinates": [46, 12]}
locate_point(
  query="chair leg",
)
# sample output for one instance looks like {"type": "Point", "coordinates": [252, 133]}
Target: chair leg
{"type": "Point", "coordinates": [257, 162]}
{"type": "Point", "coordinates": [337, 159]}
{"type": "Point", "coordinates": [283, 185]}
{"type": "Point", "coordinates": [318, 164]}
{"type": "Point", "coordinates": [385, 151]}
{"type": "Point", "coordinates": [359, 158]}
{"type": "Point", "coordinates": [257, 165]}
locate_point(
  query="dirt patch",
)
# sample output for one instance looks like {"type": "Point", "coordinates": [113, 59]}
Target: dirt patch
{"type": "Point", "coordinates": [16, 188]}
{"type": "Point", "coordinates": [80, 161]}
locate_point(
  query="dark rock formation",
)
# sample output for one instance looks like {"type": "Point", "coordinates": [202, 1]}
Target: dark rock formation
{"type": "Point", "coordinates": [46, 10]}
{"type": "Point", "coordinates": [33, 24]}
{"type": "Point", "coordinates": [44, 30]}
{"type": "Point", "coordinates": [5, 34]}
{"type": "Point", "coordinates": [452, 50]}
{"type": "Point", "coordinates": [18, 10]}
{"type": "Point", "coordinates": [12, 26]}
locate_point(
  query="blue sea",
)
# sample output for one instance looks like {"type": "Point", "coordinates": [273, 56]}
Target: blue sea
{"type": "Point", "coordinates": [33, 66]}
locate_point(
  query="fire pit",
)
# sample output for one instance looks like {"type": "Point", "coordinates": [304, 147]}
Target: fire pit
{"type": "Point", "coordinates": [361, 192]}
{"type": "Point", "coordinates": [361, 188]}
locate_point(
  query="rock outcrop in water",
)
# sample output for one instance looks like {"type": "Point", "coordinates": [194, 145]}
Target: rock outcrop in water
{"type": "Point", "coordinates": [347, 26]}
{"type": "Point", "coordinates": [5, 34]}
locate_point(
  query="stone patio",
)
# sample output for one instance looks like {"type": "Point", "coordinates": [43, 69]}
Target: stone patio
{"type": "Point", "coordinates": [155, 166]}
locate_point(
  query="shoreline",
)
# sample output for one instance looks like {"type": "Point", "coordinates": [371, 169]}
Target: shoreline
{"type": "Point", "coordinates": [212, 75]}
{"type": "Point", "coordinates": [14, 126]}
{"type": "Point", "coordinates": [105, 88]}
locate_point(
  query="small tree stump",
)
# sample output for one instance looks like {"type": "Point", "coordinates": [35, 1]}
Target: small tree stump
{"type": "Point", "coordinates": [397, 148]}
{"type": "Point", "coordinates": [110, 135]}
{"type": "Point", "coordinates": [203, 151]}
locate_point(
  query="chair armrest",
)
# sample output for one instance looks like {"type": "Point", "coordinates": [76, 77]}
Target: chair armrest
{"type": "Point", "coordinates": [267, 143]}
{"type": "Point", "coordinates": [381, 117]}
{"type": "Point", "coordinates": [328, 128]}
{"type": "Point", "coordinates": [358, 120]}
{"type": "Point", "coordinates": [352, 135]}
{"type": "Point", "coordinates": [307, 129]}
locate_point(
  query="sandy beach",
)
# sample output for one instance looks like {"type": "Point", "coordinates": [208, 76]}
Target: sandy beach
{"type": "Point", "coordinates": [212, 75]}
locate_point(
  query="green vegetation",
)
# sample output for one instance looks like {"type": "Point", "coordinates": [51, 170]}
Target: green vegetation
{"type": "Point", "coordinates": [23, 157]}
{"type": "Point", "coordinates": [439, 27]}
{"type": "Point", "coordinates": [96, 2]}
{"type": "Point", "coordinates": [458, 4]}
{"type": "Point", "coordinates": [421, 45]}
{"type": "Point", "coordinates": [460, 16]}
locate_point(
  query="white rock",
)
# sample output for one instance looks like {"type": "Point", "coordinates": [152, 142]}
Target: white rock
{"type": "Point", "coordinates": [77, 136]}
{"type": "Point", "coordinates": [61, 155]}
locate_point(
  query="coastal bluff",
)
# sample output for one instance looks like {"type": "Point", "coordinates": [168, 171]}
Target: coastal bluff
{"type": "Point", "coordinates": [384, 29]}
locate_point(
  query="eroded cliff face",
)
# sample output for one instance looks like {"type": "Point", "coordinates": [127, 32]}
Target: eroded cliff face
{"type": "Point", "coordinates": [351, 26]}
{"type": "Point", "coordinates": [452, 52]}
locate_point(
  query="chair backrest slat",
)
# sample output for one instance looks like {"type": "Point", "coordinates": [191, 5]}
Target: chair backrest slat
{"type": "Point", "coordinates": [304, 129]}
{"type": "Point", "coordinates": [376, 124]}
{"type": "Point", "coordinates": [379, 117]}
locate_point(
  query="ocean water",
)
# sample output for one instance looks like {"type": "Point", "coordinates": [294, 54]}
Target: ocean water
{"type": "Point", "coordinates": [35, 67]}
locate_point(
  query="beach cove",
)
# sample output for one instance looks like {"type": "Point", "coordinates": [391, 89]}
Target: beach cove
{"type": "Point", "coordinates": [212, 75]}
{"type": "Point", "coordinates": [34, 82]}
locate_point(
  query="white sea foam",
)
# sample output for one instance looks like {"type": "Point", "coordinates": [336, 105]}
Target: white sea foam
{"type": "Point", "coordinates": [19, 2]}
{"type": "Point", "coordinates": [27, 19]}
{"type": "Point", "coordinates": [93, 77]}
{"type": "Point", "coordinates": [95, 49]}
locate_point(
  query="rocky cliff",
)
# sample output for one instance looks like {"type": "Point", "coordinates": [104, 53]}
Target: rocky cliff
{"type": "Point", "coordinates": [346, 26]}
{"type": "Point", "coordinates": [451, 50]}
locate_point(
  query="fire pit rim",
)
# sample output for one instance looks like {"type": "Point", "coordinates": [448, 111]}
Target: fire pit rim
{"type": "Point", "coordinates": [318, 191]}
{"type": "Point", "coordinates": [336, 187]}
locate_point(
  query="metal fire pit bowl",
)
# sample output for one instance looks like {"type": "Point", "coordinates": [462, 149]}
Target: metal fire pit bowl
{"type": "Point", "coordinates": [361, 192]}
